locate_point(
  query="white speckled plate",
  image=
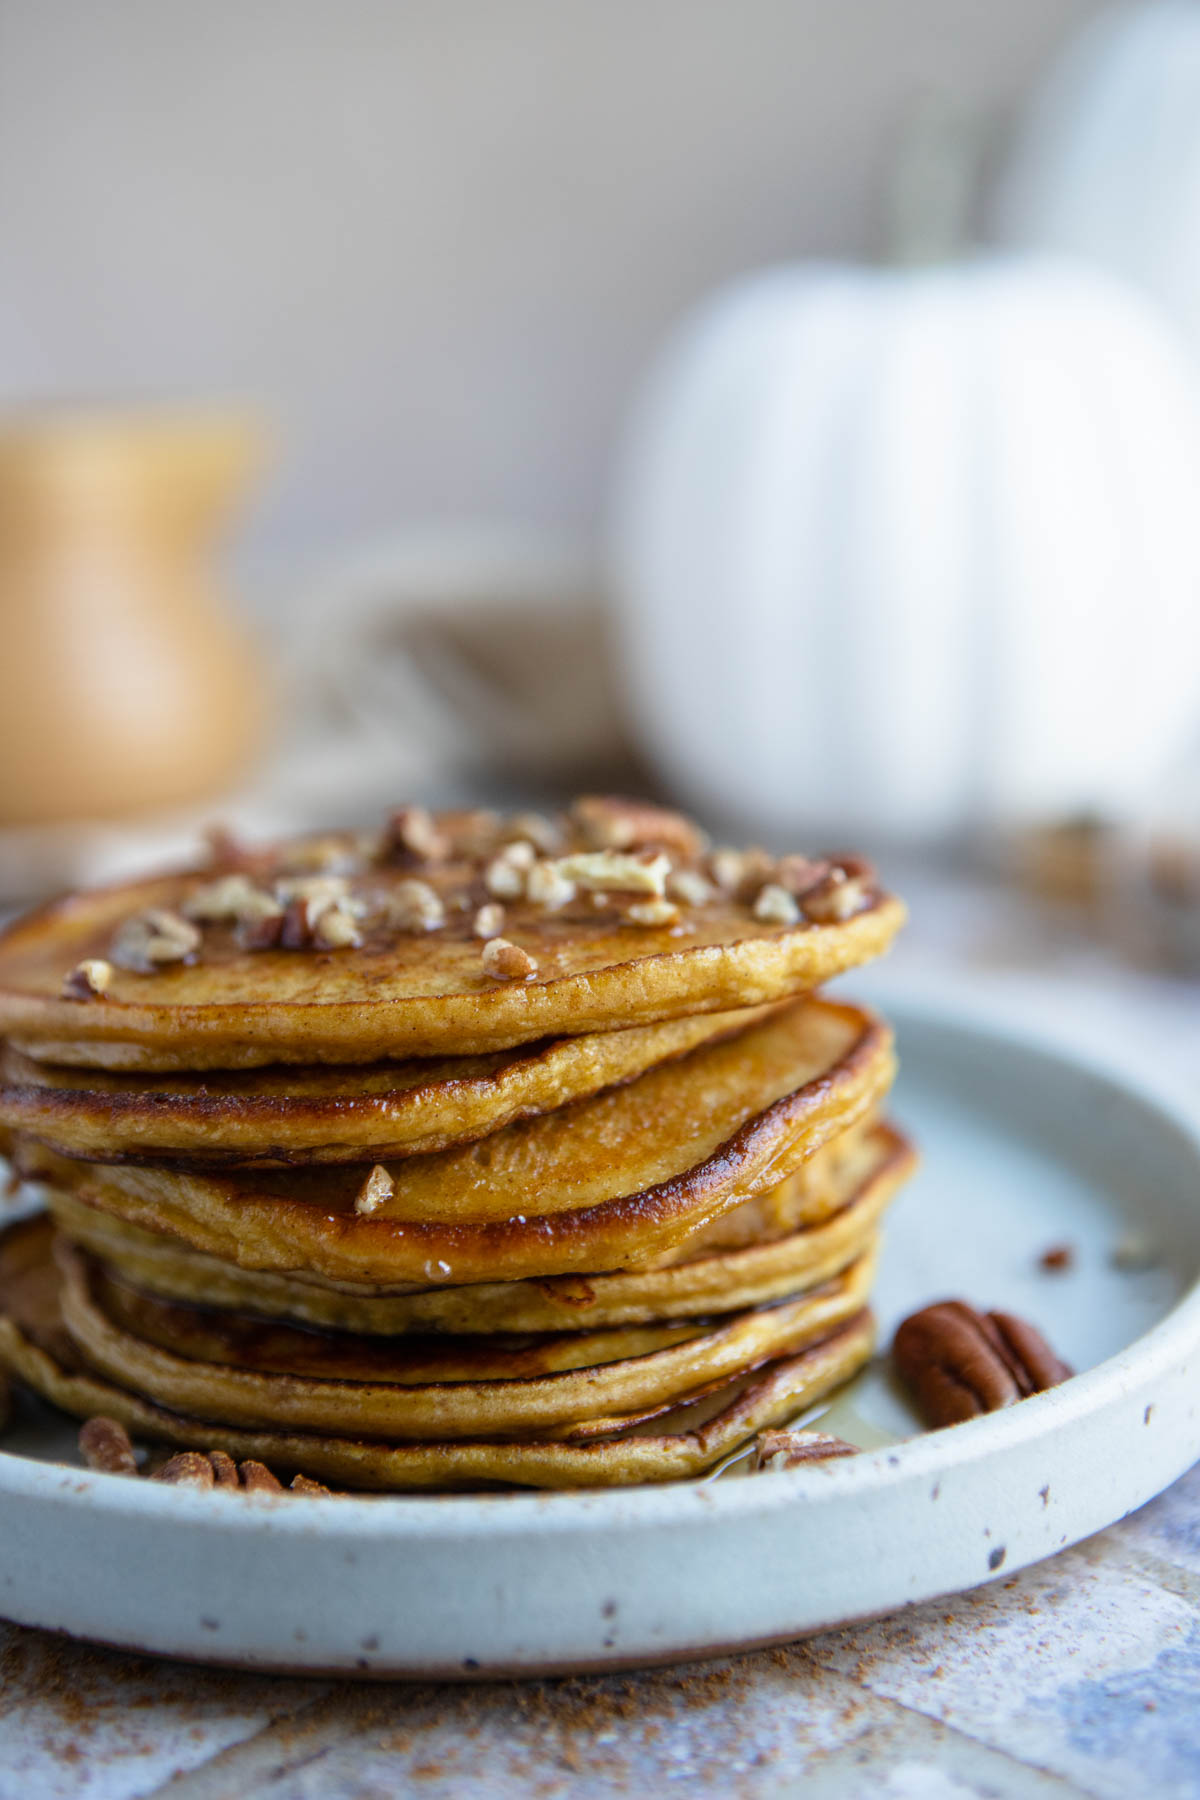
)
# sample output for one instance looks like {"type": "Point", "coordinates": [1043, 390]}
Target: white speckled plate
{"type": "Point", "coordinates": [1025, 1147]}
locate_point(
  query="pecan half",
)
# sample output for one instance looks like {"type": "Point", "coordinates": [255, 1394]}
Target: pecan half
{"type": "Point", "coordinates": [960, 1363]}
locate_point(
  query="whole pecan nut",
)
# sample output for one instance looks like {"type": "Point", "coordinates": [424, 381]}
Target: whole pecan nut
{"type": "Point", "coordinates": [960, 1363]}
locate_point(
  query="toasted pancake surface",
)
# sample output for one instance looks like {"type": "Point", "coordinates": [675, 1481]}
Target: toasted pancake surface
{"type": "Point", "coordinates": [640, 1179]}
{"type": "Point", "coordinates": [688, 1440]}
{"type": "Point", "coordinates": [780, 1259]}
{"type": "Point", "coordinates": [618, 952]}
{"type": "Point", "coordinates": [273, 1116]}
{"type": "Point", "coordinates": [240, 1390]}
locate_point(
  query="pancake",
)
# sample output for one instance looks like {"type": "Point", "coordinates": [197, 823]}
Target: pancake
{"type": "Point", "coordinates": [610, 941]}
{"type": "Point", "coordinates": [249, 1388]}
{"type": "Point", "coordinates": [627, 1182]}
{"type": "Point", "coordinates": [687, 1442]}
{"type": "Point", "coordinates": [271, 1117]}
{"type": "Point", "coordinates": [862, 1181]}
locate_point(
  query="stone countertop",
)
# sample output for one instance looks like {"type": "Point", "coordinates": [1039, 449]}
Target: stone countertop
{"type": "Point", "coordinates": [1078, 1676]}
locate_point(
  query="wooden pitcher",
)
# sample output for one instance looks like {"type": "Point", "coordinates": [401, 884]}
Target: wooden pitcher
{"type": "Point", "coordinates": [124, 682]}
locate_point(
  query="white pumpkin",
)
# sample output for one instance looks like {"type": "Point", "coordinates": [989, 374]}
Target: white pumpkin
{"type": "Point", "coordinates": [897, 552]}
{"type": "Point", "coordinates": [1106, 161]}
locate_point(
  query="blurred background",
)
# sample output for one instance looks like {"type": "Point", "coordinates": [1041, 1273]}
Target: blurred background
{"type": "Point", "coordinates": [786, 408]}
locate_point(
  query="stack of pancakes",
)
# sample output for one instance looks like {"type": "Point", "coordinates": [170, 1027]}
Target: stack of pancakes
{"type": "Point", "coordinates": [479, 1150]}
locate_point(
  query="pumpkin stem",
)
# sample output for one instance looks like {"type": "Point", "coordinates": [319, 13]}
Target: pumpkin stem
{"type": "Point", "coordinates": [932, 181]}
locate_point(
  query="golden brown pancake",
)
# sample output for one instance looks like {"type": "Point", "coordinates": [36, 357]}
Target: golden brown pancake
{"type": "Point", "coordinates": [600, 966]}
{"type": "Point", "coordinates": [651, 1164]}
{"type": "Point", "coordinates": [248, 1386]}
{"type": "Point", "coordinates": [861, 1182]}
{"type": "Point", "coordinates": [687, 1440]}
{"type": "Point", "coordinates": [271, 1117]}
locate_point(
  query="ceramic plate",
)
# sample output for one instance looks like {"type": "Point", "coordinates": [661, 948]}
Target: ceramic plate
{"type": "Point", "coordinates": [1025, 1148]}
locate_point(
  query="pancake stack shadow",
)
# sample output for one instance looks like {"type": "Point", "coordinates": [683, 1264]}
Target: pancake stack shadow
{"type": "Point", "coordinates": [479, 1151]}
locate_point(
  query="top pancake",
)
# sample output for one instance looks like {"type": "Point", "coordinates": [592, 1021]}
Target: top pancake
{"type": "Point", "coordinates": [607, 950]}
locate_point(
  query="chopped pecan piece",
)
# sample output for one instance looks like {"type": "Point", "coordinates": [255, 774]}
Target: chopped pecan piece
{"type": "Point", "coordinates": [546, 885]}
{"type": "Point", "coordinates": [741, 873]}
{"type": "Point", "coordinates": [315, 890]}
{"type": "Point", "coordinates": [791, 1449]}
{"type": "Point", "coordinates": [256, 1478]}
{"type": "Point", "coordinates": [775, 906]}
{"type": "Point", "coordinates": [304, 1484]}
{"type": "Point", "coordinates": [231, 897]}
{"type": "Point", "coordinates": [504, 879]}
{"type": "Point", "coordinates": [375, 1191]}
{"type": "Point", "coordinates": [412, 834]}
{"type": "Point", "coordinates": [263, 920]}
{"type": "Point", "coordinates": [225, 848]}
{"type": "Point", "coordinates": [690, 886]}
{"type": "Point", "coordinates": [800, 874]}
{"type": "Point", "coordinates": [506, 873]}
{"type": "Point", "coordinates": [489, 920]}
{"type": "Point", "coordinates": [414, 906]}
{"type": "Point", "coordinates": [535, 828]}
{"type": "Point", "coordinates": [88, 979]}
{"type": "Point", "coordinates": [608, 822]}
{"type": "Point", "coordinates": [261, 934]}
{"type": "Point", "coordinates": [471, 834]}
{"type": "Point", "coordinates": [225, 1470]}
{"type": "Point", "coordinates": [189, 1468]}
{"type": "Point", "coordinates": [104, 1444]}
{"type": "Point", "coordinates": [652, 912]}
{"type": "Point", "coordinates": [150, 939]}
{"type": "Point", "coordinates": [337, 928]}
{"type": "Point", "coordinates": [299, 923]}
{"type": "Point", "coordinates": [333, 854]}
{"type": "Point", "coordinates": [507, 962]}
{"type": "Point", "coordinates": [844, 891]}
{"type": "Point", "coordinates": [618, 871]}
{"type": "Point", "coordinates": [960, 1363]}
